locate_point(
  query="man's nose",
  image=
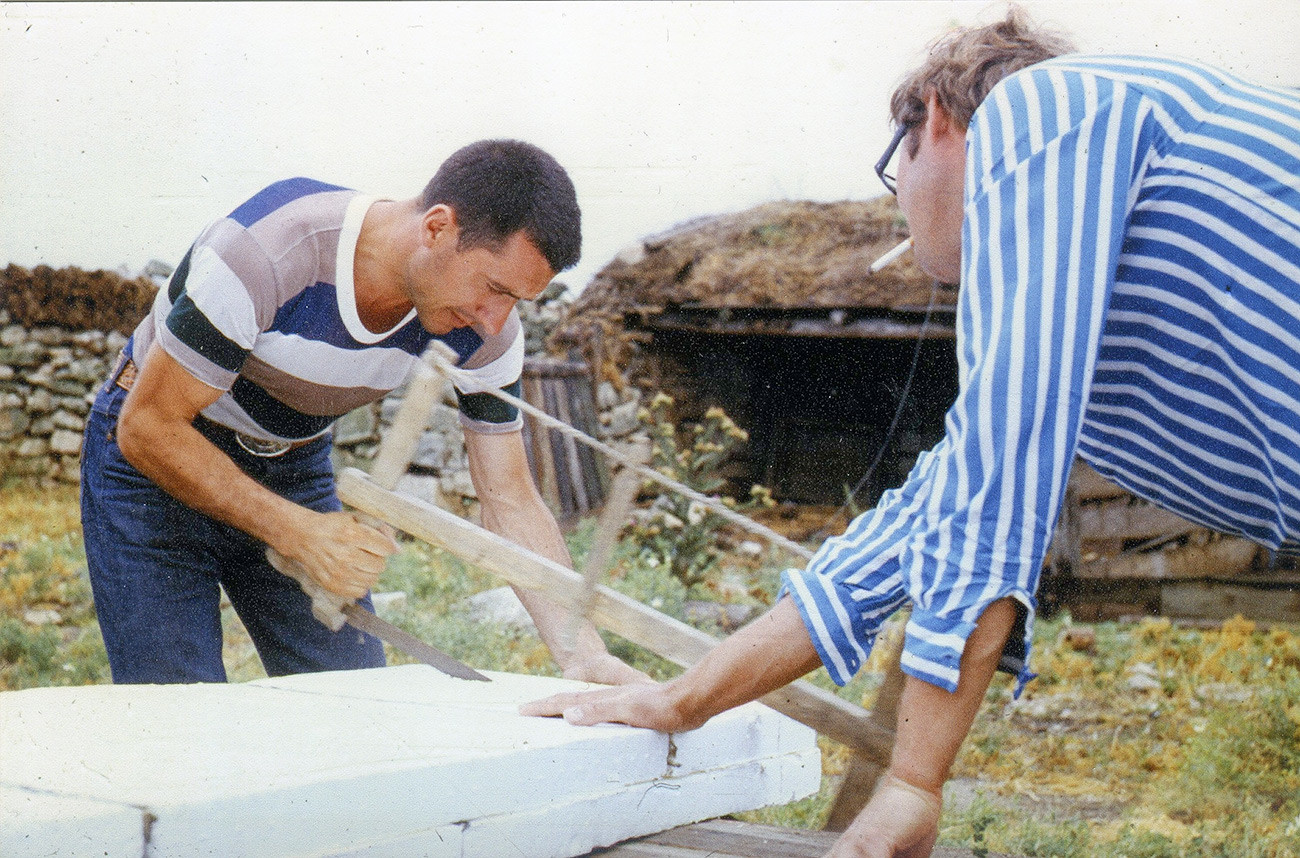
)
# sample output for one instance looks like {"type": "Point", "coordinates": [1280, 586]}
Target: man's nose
{"type": "Point", "coordinates": [494, 311]}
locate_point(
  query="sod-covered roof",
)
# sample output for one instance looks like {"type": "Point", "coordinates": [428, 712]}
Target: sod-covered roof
{"type": "Point", "coordinates": [779, 254]}
{"type": "Point", "coordinates": [786, 255]}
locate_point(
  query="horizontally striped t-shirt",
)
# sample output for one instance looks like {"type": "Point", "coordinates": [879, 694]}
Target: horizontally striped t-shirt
{"type": "Point", "coordinates": [1130, 293]}
{"type": "Point", "coordinates": [263, 307]}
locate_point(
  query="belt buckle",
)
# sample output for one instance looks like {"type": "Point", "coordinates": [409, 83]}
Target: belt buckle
{"type": "Point", "coordinates": [262, 449]}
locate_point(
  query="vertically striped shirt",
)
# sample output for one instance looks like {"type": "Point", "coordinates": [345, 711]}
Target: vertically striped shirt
{"type": "Point", "coordinates": [1130, 293]}
{"type": "Point", "coordinates": [263, 306]}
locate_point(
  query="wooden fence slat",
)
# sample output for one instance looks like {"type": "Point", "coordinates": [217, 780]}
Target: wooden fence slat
{"type": "Point", "coordinates": [729, 838]}
{"type": "Point", "coordinates": [569, 473]}
{"type": "Point", "coordinates": [555, 444]}
{"type": "Point", "coordinates": [539, 443]}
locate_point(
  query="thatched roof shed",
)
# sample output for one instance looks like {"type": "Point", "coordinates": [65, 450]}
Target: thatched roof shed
{"type": "Point", "coordinates": [782, 266]}
{"type": "Point", "coordinates": [773, 314]}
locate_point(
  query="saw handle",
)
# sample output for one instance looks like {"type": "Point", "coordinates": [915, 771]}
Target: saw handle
{"type": "Point", "coordinates": [325, 605]}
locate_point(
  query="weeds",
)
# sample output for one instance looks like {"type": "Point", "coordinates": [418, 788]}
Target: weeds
{"type": "Point", "coordinates": [48, 634]}
{"type": "Point", "coordinates": [1204, 762]}
{"type": "Point", "coordinates": [676, 531]}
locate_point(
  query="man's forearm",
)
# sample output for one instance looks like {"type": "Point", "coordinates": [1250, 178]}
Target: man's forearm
{"type": "Point", "coordinates": [765, 655]}
{"type": "Point", "coordinates": [156, 434]}
{"type": "Point", "coordinates": [512, 509]}
{"type": "Point", "coordinates": [932, 722]}
{"type": "Point", "coordinates": [532, 527]}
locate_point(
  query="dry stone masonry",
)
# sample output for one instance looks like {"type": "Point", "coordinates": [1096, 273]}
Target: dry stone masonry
{"type": "Point", "coordinates": [48, 377]}
{"type": "Point", "coordinates": [61, 331]}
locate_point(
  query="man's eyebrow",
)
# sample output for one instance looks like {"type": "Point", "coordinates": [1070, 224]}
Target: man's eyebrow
{"type": "Point", "coordinates": [498, 287]}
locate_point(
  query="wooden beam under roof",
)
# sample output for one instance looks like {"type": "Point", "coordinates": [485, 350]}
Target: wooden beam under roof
{"type": "Point", "coordinates": [829, 324]}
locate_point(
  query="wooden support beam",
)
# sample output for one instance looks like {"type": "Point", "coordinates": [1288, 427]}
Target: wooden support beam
{"type": "Point", "coordinates": [670, 638]}
{"type": "Point", "coordinates": [1220, 601]}
{"type": "Point", "coordinates": [398, 446]}
{"type": "Point", "coordinates": [865, 769]}
{"type": "Point", "coordinates": [1228, 557]}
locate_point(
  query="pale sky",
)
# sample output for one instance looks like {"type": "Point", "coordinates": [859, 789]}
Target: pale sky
{"type": "Point", "coordinates": [125, 128]}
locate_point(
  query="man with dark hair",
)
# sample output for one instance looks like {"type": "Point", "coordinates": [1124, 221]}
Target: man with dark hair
{"type": "Point", "coordinates": [1126, 234]}
{"type": "Point", "coordinates": [491, 187]}
{"type": "Point", "coordinates": [210, 440]}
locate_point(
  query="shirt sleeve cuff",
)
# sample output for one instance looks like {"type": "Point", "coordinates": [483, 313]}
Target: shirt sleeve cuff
{"type": "Point", "coordinates": [833, 620]}
{"type": "Point", "coordinates": [933, 646]}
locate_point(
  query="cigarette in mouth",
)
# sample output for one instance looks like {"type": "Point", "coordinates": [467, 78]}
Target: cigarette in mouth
{"type": "Point", "coordinates": [891, 256]}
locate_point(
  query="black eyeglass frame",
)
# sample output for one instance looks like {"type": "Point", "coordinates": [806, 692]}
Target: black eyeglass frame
{"type": "Point", "coordinates": [890, 183]}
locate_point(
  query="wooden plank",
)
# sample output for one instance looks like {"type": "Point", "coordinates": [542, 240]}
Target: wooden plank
{"type": "Point", "coordinates": [729, 838]}
{"type": "Point", "coordinates": [732, 837]}
{"type": "Point", "coordinates": [874, 329]}
{"type": "Point", "coordinates": [674, 640]}
{"type": "Point", "coordinates": [1123, 518]}
{"type": "Point", "coordinates": [639, 849]}
{"type": "Point", "coordinates": [1219, 601]}
{"type": "Point", "coordinates": [1090, 485]}
{"type": "Point", "coordinates": [1221, 558]}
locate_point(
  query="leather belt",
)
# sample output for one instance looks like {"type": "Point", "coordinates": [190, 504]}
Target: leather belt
{"type": "Point", "coordinates": [124, 375]}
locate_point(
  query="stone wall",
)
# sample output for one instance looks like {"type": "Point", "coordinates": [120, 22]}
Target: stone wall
{"type": "Point", "coordinates": [48, 378]}
{"type": "Point", "coordinates": [50, 372]}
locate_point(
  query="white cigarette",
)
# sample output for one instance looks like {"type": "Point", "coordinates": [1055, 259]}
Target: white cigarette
{"type": "Point", "coordinates": [891, 256]}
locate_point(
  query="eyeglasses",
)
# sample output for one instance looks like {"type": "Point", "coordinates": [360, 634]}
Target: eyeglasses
{"type": "Point", "coordinates": [886, 179]}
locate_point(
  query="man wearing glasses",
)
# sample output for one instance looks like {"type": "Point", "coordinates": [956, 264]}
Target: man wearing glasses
{"type": "Point", "coordinates": [1126, 233]}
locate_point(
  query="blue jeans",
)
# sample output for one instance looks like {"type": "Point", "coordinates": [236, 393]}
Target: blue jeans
{"type": "Point", "coordinates": [157, 567]}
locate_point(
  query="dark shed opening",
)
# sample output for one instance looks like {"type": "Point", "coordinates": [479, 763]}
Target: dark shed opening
{"type": "Point", "coordinates": [776, 315]}
{"type": "Point", "coordinates": [823, 406]}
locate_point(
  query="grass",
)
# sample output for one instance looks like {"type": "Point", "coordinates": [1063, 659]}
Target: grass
{"type": "Point", "coordinates": [1198, 757]}
{"type": "Point", "coordinates": [48, 632]}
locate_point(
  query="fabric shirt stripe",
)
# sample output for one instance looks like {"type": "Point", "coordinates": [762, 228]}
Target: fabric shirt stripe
{"type": "Point", "coordinates": [1130, 292]}
{"type": "Point", "coordinates": [263, 307]}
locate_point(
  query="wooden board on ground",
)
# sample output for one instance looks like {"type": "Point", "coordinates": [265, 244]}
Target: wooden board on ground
{"type": "Point", "coordinates": [728, 838]}
{"type": "Point", "coordinates": [1220, 601]}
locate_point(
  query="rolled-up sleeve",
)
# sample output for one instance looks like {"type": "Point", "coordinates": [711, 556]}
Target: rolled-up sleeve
{"type": "Point", "coordinates": [1051, 161]}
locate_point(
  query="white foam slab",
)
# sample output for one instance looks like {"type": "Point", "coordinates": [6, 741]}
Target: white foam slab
{"type": "Point", "coordinates": [397, 761]}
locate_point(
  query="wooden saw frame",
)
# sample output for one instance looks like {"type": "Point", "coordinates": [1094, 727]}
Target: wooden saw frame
{"type": "Point", "coordinates": [869, 734]}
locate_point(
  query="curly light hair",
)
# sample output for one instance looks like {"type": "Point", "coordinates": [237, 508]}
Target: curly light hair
{"type": "Point", "coordinates": [963, 65]}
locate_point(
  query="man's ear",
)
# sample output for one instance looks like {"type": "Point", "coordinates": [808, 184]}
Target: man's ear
{"type": "Point", "coordinates": [939, 122]}
{"type": "Point", "coordinates": [437, 220]}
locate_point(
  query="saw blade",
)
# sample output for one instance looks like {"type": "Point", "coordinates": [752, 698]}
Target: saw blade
{"type": "Point", "coordinates": [408, 643]}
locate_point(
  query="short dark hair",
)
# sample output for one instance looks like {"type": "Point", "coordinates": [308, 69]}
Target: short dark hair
{"type": "Point", "coordinates": [499, 187]}
{"type": "Point", "coordinates": [964, 65]}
